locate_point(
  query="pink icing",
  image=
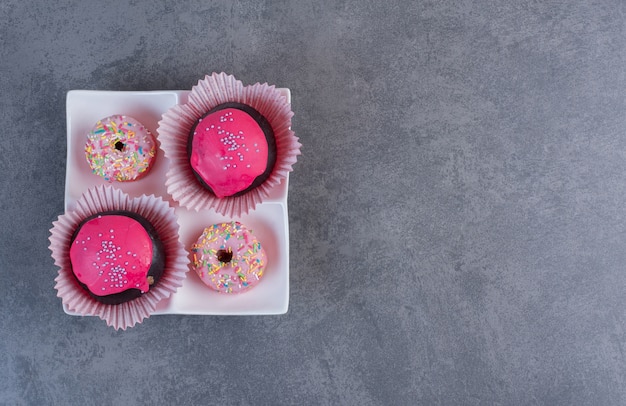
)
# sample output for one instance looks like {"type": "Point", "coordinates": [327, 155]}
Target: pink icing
{"type": "Point", "coordinates": [229, 150]}
{"type": "Point", "coordinates": [228, 258]}
{"type": "Point", "coordinates": [111, 254]}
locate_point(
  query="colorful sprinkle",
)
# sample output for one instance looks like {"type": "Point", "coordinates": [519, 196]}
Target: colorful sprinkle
{"type": "Point", "coordinates": [244, 269]}
{"type": "Point", "coordinates": [114, 152]}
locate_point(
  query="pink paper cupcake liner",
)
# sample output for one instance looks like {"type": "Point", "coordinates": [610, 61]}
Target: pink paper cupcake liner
{"type": "Point", "coordinates": [210, 92]}
{"type": "Point", "coordinates": [163, 219]}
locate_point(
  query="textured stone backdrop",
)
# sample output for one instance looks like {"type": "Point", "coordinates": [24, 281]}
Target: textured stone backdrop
{"type": "Point", "coordinates": [458, 225]}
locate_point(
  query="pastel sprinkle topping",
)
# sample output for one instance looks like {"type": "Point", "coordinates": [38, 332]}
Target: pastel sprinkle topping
{"type": "Point", "coordinates": [228, 258]}
{"type": "Point", "coordinates": [119, 148]}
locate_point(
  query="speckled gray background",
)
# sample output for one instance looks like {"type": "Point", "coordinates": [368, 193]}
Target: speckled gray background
{"type": "Point", "coordinates": [458, 226]}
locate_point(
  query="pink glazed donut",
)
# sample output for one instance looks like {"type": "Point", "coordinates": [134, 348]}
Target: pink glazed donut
{"type": "Point", "coordinates": [228, 258]}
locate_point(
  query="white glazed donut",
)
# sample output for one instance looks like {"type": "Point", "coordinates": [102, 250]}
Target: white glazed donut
{"type": "Point", "coordinates": [228, 258]}
{"type": "Point", "coordinates": [120, 148]}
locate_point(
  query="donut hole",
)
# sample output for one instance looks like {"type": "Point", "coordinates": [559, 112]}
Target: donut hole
{"type": "Point", "coordinates": [224, 255]}
{"type": "Point", "coordinates": [119, 146]}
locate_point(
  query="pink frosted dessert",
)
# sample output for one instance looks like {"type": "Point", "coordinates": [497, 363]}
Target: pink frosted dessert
{"type": "Point", "coordinates": [119, 148]}
{"type": "Point", "coordinates": [228, 258]}
{"type": "Point", "coordinates": [231, 149]}
{"type": "Point", "coordinates": [116, 256]}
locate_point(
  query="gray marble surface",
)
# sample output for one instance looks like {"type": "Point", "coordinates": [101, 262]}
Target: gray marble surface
{"type": "Point", "coordinates": [458, 226]}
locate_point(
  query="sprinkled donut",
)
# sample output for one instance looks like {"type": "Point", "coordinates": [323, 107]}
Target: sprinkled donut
{"type": "Point", "coordinates": [228, 258]}
{"type": "Point", "coordinates": [120, 148]}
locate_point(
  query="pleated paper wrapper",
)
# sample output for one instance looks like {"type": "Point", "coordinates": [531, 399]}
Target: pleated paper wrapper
{"type": "Point", "coordinates": [177, 122]}
{"type": "Point", "coordinates": [163, 219]}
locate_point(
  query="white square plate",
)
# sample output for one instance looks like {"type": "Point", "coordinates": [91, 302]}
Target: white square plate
{"type": "Point", "coordinates": [269, 221]}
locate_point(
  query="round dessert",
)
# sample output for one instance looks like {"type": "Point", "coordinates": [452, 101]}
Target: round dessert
{"type": "Point", "coordinates": [120, 148]}
{"type": "Point", "coordinates": [231, 149]}
{"type": "Point", "coordinates": [228, 258]}
{"type": "Point", "coordinates": [116, 256]}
